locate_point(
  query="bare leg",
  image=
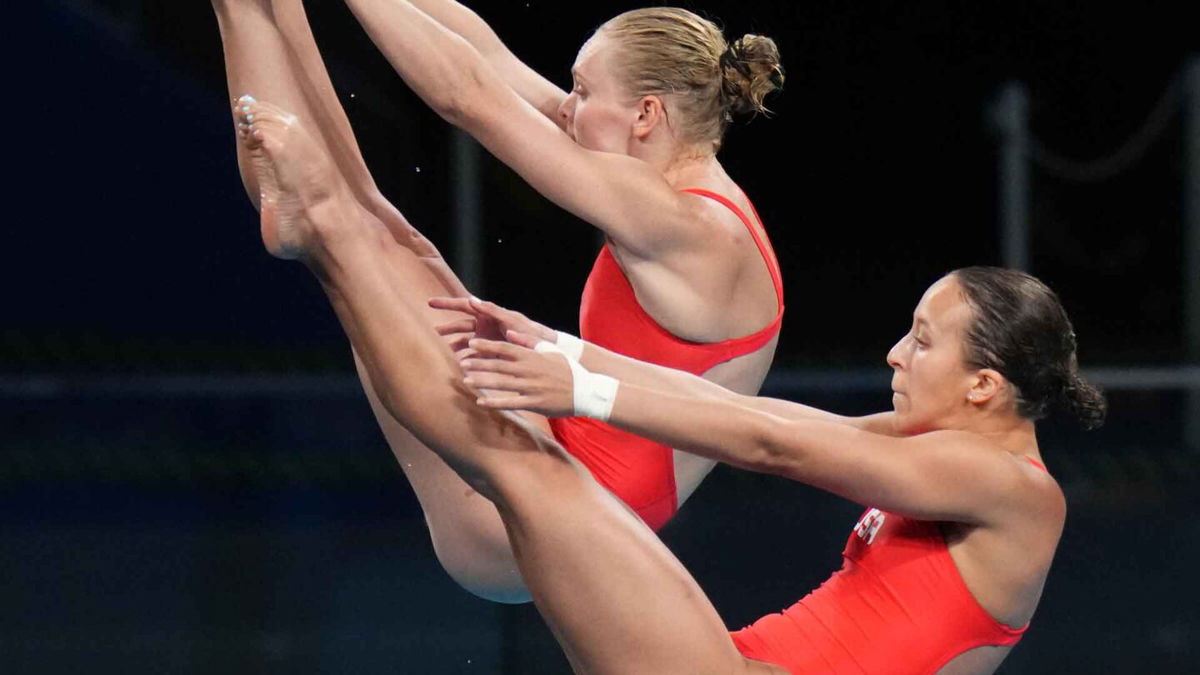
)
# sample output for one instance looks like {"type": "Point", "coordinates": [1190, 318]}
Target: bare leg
{"type": "Point", "coordinates": [334, 126]}
{"type": "Point", "coordinates": [269, 47]}
{"type": "Point", "coordinates": [615, 597]}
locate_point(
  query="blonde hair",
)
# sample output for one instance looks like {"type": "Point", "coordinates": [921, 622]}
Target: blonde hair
{"type": "Point", "coordinates": [668, 51]}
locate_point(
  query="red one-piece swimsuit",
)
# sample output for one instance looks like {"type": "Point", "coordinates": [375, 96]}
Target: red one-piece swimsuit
{"type": "Point", "coordinates": [640, 472]}
{"type": "Point", "coordinates": [898, 606]}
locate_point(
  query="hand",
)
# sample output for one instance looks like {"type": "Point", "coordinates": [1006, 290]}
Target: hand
{"type": "Point", "coordinates": [485, 320]}
{"type": "Point", "coordinates": [511, 376]}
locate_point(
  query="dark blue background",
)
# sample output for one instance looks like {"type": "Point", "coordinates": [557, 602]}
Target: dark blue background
{"type": "Point", "coordinates": [153, 530]}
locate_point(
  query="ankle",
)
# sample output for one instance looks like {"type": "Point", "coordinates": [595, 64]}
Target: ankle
{"type": "Point", "coordinates": [335, 220]}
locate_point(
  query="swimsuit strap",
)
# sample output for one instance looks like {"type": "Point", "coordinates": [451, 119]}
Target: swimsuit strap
{"type": "Point", "coordinates": [764, 248]}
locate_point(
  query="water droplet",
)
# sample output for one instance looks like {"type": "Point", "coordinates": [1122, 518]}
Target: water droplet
{"type": "Point", "coordinates": [418, 169]}
{"type": "Point", "coordinates": [351, 95]}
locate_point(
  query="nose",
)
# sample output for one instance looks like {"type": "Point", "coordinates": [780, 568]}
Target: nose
{"type": "Point", "coordinates": [897, 351]}
{"type": "Point", "coordinates": [566, 109]}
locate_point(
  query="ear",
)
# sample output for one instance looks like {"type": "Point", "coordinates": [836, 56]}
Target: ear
{"type": "Point", "coordinates": [986, 385]}
{"type": "Point", "coordinates": [651, 112]}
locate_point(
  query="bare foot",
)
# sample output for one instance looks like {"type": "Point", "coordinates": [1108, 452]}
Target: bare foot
{"type": "Point", "coordinates": [292, 172]}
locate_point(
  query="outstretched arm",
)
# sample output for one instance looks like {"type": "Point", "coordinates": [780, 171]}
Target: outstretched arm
{"type": "Point", "coordinates": [539, 92]}
{"type": "Point", "coordinates": [490, 321]}
{"type": "Point", "coordinates": [632, 371]}
{"type": "Point", "coordinates": [611, 191]}
{"type": "Point", "coordinates": [942, 475]}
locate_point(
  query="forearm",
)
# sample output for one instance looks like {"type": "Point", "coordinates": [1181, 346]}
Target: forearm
{"type": "Point", "coordinates": [438, 65]}
{"type": "Point", "coordinates": [820, 452]}
{"type": "Point", "coordinates": [668, 380]}
{"type": "Point", "coordinates": [529, 85]}
{"type": "Point", "coordinates": [466, 23]}
{"type": "Point", "coordinates": [390, 23]}
{"type": "Point", "coordinates": [716, 428]}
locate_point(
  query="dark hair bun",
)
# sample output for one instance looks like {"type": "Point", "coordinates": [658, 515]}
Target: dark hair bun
{"type": "Point", "coordinates": [1084, 402]}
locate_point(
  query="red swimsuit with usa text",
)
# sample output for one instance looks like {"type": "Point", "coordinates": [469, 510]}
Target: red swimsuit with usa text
{"type": "Point", "coordinates": [898, 606]}
{"type": "Point", "coordinates": [640, 472]}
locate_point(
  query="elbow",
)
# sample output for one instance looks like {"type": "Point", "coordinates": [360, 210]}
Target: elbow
{"type": "Point", "coordinates": [774, 450]}
{"type": "Point", "coordinates": [463, 99]}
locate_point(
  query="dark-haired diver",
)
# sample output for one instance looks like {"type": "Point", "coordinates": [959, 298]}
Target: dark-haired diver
{"type": "Point", "coordinates": [944, 570]}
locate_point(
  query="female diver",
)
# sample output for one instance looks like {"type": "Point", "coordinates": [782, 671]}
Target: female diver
{"type": "Point", "coordinates": [686, 278]}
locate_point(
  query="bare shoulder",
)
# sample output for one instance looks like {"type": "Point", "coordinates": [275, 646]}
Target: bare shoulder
{"type": "Point", "coordinates": [718, 218]}
{"type": "Point", "coordinates": [1029, 491]}
{"type": "Point", "coordinates": [701, 225]}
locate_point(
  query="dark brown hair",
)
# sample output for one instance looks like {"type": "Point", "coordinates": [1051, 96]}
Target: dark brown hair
{"type": "Point", "coordinates": [1021, 330]}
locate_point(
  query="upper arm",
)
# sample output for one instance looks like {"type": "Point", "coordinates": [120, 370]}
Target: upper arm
{"type": "Point", "coordinates": [626, 198]}
{"type": "Point", "coordinates": [942, 475]}
{"type": "Point", "coordinates": [879, 423]}
{"type": "Point", "coordinates": [539, 92]}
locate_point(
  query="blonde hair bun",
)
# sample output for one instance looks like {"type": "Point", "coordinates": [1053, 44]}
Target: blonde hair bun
{"type": "Point", "coordinates": [751, 69]}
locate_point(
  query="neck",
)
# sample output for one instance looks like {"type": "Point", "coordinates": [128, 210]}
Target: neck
{"type": "Point", "coordinates": [678, 164]}
{"type": "Point", "coordinates": [691, 168]}
{"type": "Point", "coordinates": [1016, 435]}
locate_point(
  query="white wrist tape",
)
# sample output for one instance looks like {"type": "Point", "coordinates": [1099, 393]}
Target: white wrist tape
{"type": "Point", "coordinates": [570, 345]}
{"type": "Point", "coordinates": [593, 394]}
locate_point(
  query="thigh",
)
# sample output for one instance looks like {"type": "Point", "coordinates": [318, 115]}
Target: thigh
{"type": "Point", "coordinates": [690, 471]}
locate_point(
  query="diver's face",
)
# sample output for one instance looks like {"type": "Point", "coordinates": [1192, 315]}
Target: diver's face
{"type": "Point", "coordinates": [598, 113]}
{"type": "Point", "coordinates": [930, 381]}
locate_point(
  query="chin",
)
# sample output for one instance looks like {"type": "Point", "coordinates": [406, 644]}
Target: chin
{"type": "Point", "coordinates": [905, 425]}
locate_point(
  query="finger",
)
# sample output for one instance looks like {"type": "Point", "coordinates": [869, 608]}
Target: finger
{"type": "Point", "coordinates": [496, 381]}
{"type": "Point", "coordinates": [478, 365]}
{"type": "Point", "coordinates": [495, 311]}
{"type": "Point", "coordinates": [456, 326]}
{"type": "Point", "coordinates": [495, 348]}
{"type": "Point", "coordinates": [454, 304]}
{"type": "Point", "coordinates": [522, 339]}
{"type": "Point", "coordinates": [460, 346]}
{"type": "Point", "coordinates": [507, 402]}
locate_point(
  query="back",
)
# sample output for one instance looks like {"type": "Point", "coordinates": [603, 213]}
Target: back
{"type": "Point", "coordinates": [898, 605]}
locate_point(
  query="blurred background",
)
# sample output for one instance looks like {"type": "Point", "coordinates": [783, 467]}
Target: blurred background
{"type": "Point", "coordinates": [191, 481]}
